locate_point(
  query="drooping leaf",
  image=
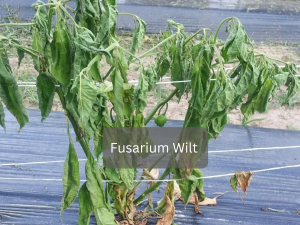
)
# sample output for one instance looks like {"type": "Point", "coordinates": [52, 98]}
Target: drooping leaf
{"type": "Point", "coordinates": [71, 181]}
{"type": "Point", "coordinates": [200, 81]}
{"type": "Point", "coordinates": [97, 194]}
{"type": "Point", "coordinates": [85, 205]}
{"type": "Point", "coordinates": [108, 24]}
{"type": "Point", "coordinates": [140, 94]}
{"type": "Point", "coordinates": [20, 56]}
{"type": "Point", "coordinates": [281, 78]}
{"type": "Point", "coordinates": [138, 36]}
{"type": "Point", "coordinates": [45, 91]}
{"type": "Point", "coordinates": [152, 75]}
{"type": "Point", "coordinates": [177, 69]}
{"type": "Point", "coordinates": [61, 54]}
{"type": "Point", "coordinates": [86, 96]}
{"type": "Point", "coordinates": [260, 101]}
{"type": "Point", "coordinates": [127, 176]}
{"type": "Point", "coordinates": [40, 35]}
{"type": "Point", "coordinates": [118, 103]}
{"type": "Point", "coordinates": [236, 44]}
{"type": "Point", "coordinates": [293, 88]}
{"type": "Point", "coordinates": [248, 77]}
{"type": "Point", "coordinates": [9, 92]}
{"type": "Point", "coordinates": [163, 66]}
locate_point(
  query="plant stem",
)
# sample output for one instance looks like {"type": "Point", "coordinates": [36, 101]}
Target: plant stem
{"type": "Point", "coordinates": [154, 110]}
{"type": "Point", "coordinates": [84, 145]}
{"type": "Point", "coordinates": [129, 53]}
{"type": "Point", "coordinates": [108, 73]}
{"type": "Point", "coordinates": [276, 60]}
{"type": "Point", "coordinates": [194, 35]}
{"type": "Point", "coordinates": [155, 47]}
{"type": "Point", "coordinates": [221, 24]}
{"type": "Point", "coordinates": [129, 14]}
{"type": "Point", "coordinates": [152, 188]}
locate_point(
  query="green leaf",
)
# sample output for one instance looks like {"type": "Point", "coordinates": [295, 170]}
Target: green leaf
{"type": "Point", "coordinates": [9, 92]}
{"type": "Point", "coordinates": [2, 116]}
{"type": "Point", "coordinates": [281, 78]}
{"type": "Point", "coordinates": [138, 36]}
{"type": "Point", "coordinates": [260, 101]}
{"type": "Point", "coordinates": [152, 75]}
{"type": "Point", "coordinates": [127, 176]}
{"type": "Point", "coordinates": [123, 66]}
{"type": "Point", "coordinates": [293, 88]}
{"type": "Point", "coordinates": [249, 75]}
{"type": "Point", "coordinates": [108, 25]}
{"type": "Point", "coordinates": [20, 56]}
{"type": "Point", "coordinates": [61, 54]}
{"type": "Point", "coordinates": [200, 81]}
{"type": "Point", "coordinates": [71, 181]}
{"type": "Point", "coordinates": [112, 174]}
{"type": "Point", "coordinates": [177, 66]}
{"type": "Point", "coordinates": [236, 44]}
{"type": "Point", "coordinates": [85, 205]}
{"type": "Point", "coordinates": [104, 216]}
{"type": "Point", "coordinates": [118, 97]}
{"type": "Point", "coordinates": [219, 100]}
{"type": "Point", "coordinates": [86, 97]}
{"type": "Point", "coordinates": [190, 185]}
{"type": "Point", "coordinates": [45, 91]}
{"type": "Point", "coordinates": [140, 94]}
{"type": "Point", "coordinates": [97, 195]}
{"type": "Point", "coordinates": [163, 66]}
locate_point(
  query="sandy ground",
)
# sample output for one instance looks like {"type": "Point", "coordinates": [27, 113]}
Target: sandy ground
{"type": "Point", "coordinates": [277, 117]}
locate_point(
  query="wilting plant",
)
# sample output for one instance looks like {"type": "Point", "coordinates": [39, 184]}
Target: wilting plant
{"type": "Point", "coordinates": [67, 48]}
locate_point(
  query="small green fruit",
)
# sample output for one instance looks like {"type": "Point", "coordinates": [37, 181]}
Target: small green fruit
{"type": "Point", "coordinates": [160, 120]}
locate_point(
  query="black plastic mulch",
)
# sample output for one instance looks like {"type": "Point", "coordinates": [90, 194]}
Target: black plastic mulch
{"type": "Point", "coordinates": [37, 202]}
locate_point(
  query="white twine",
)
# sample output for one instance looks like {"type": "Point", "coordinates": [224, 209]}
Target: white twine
{"type": "Point", "coordinates": [210, 152]}
{"type": "Point", "coordinates": [198, 178]}
{"type": "Point", "coordinates": [33, 84]}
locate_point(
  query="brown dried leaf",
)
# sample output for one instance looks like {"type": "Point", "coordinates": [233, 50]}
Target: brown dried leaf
{"type": "Point", "coordinates": [146, 39]}
{"type": "Point", "coordinates": [197, 208]}
{"type": "Point", "coordinates": [143, 222]}
{"type": "Point", "coordinates": [207, 201]}
{"type": "Point", "coordinates": [177, 191]}
{"type": "Point", "coordinates": [241, 179]}
{"type": "Point", "coordinates": [168, 216]}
